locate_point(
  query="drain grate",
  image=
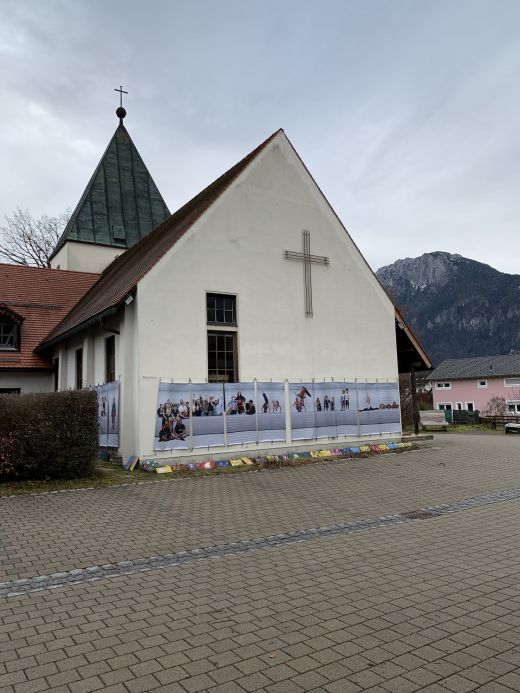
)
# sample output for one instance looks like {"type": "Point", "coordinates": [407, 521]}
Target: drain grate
{"type": "Point", "coordinates": [423, 514]}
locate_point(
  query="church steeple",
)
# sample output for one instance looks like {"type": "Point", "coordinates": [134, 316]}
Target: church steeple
{"type": "Point", "coordinates": [121, 203]}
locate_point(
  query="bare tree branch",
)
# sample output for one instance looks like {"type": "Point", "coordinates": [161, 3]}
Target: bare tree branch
{"type": "Point", "coordinates": [25, 240]}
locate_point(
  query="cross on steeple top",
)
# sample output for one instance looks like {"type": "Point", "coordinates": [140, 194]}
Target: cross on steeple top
{"type": "Point", "coordinates": [120, 112]}
{"type": "Point", "coordinates": [121, 92]}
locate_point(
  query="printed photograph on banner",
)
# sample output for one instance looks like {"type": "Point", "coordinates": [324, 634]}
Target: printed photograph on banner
{"type": "Point", "coordinates": [108, 414]}
{"type": "Point", "coordinates": [346, 408]}
{"type": "Point", "coordinates": [379, 410]}
{"type": "Point", "coordinates": [172, 424]}
{"type": "Point", "coordinates": [325, 406]}
{"type": "Point", "coordinates": [207, 415]}
{"type": "Point", "coordinates": [303, 419]}
{"type": "Point", "coordinates": [270, 408]}
{"type": "Point", "coordinates": [240, 413]}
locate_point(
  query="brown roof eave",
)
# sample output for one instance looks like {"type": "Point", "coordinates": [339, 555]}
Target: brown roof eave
{"type": "Point", "coordinates": [95, 320]}
{"type": "Point", "coordinates": [413, 339]}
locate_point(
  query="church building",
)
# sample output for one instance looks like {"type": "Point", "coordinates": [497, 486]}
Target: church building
{"type": "Point", "coordinates": [250, 299]}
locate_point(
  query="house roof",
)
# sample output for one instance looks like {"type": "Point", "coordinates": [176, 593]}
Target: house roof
{"type": "Point", "coordinates": [507, 365]}
{"type": "Point", "coordinates": [123, 274]}
{"type": "Point", "coordinates": [42, 297]}
{"type": "Point", "coordinates": [121, 202]}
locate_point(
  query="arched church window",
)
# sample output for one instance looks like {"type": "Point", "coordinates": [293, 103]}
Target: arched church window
{"type": "Point", "coordinates": [9, 330]}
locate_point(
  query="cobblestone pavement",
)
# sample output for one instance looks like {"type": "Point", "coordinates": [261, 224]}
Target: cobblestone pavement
{"type": "Point", "coordinates": [431, 604]}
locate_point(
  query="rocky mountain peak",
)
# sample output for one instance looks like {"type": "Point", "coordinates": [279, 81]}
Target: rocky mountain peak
{"type": "Point", "coordinates": [430, 269]}
{"type": "Point", "coordinates": [457, 306]}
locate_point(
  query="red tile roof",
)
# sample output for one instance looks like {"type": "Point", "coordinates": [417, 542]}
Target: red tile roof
{"type": "Point", "coordinates": [123, 274]}
{"type": "Point", "coordinates": [43, 297]}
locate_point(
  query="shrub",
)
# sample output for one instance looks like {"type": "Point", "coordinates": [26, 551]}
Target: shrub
{"type": "Point", "coordinates": [496, 406]}
{"type": "Point", "coordinates": [48, 436]}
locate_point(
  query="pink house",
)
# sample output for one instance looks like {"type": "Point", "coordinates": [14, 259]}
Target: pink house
{"type": "Point", "coordinates": [470, 383]}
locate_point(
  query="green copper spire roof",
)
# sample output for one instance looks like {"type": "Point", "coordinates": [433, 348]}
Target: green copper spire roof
{"type": "Point", "coordinates": [121, 204]}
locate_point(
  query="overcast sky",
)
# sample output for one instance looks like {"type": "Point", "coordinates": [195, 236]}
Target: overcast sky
{"type": "Point", "coordinates": [407, 113]}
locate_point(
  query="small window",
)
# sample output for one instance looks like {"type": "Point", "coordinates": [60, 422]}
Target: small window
{"type": "Point", "coordinates": [512, 382]}
{"type": "Point", "coordinates": [110, 359]}
{"type": "Point", "coordinates": [9, 333]}
{"type": "Point", "coordinates": [458, 406]}
{"type": "Point", "coordinates": [482, 383]}
{"type": "Point", "coordinates": [221, 309]}
{"type": "Point", "coordinates": [470, 406]}
{"type": "Point", "coordinates": [443, 386]}
{"type": "Point", "coordinates": [79, 369]}
{"type": "Point", "coordinates": [9, 390]}
{"type": "Point", "coordinates": [445, 406]}
{"type": "Point", "coordinates": [513, 407]}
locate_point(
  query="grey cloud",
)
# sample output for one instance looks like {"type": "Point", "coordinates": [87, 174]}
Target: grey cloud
{"type": "Point", "coordinates": [407, 113]}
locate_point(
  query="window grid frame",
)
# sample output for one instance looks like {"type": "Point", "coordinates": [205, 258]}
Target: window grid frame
{"type": "Point", "coordinates": [227, 309]}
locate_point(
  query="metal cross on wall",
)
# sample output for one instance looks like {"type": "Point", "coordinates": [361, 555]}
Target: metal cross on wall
{"type": "Point", "coordinates": [307, 260]}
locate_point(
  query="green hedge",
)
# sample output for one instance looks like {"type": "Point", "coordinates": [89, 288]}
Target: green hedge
{"type": "Point", "coordinates": [48, 436]}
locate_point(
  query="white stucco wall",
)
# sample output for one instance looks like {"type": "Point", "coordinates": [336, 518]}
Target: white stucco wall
{"type": "Point", "coordinates": [92, 340]}
{"type": "Point", "coordinates": [28, 382]}
{"type": "Point", "coordinates": [237, 247]}
{"type": "Point", "coordinates": [84, 257]}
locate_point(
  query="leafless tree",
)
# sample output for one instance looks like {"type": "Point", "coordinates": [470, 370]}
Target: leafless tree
{"type": "Point", "coordinates": [25, 240]}
{"type": "Point", "coordinates": [496, 406]}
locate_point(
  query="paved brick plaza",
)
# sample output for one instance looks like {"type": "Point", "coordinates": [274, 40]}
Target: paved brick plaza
{"type": "Point", "coordinates": [429, 605]}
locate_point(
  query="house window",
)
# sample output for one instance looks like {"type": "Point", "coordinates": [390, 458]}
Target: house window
{"type": "Point", "coordinates": [512, 382]}
{"type": "Point", "coordinates": [443, 386]}
{"type": "Point", "coordinates": [458, 406]}
{"type": "Point", "coordinates": [513, 407]}
{"type": "Point", "coordinates": [222, 357]}
{"type": "Point", "coordinates": [470, 406]}
{"type": "Point", "coordinates": [9, 333]}
{"type": "Point", "coordinates": [222, 343]}
{"type": "Point", "coordinates": [444, 406]}
{"type": "Point", "coordinates": [221, 309]}
{"type": "Point", "coordinates": [110, 359]}
{"type": "Point", "coordinates": [482, 383]}
{"type": "Point", "coordinates": [9, 390]}
{"type": "Point", "coordinates": [79, 369]}
{"type": "Point", "coordinates": [56, 366]}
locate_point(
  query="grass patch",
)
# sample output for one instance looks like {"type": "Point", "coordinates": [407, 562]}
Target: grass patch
{"type": "Point", "coordinates": [105, 475]}
{"type": "Point", "coordinates": [474, 428]}
{"type": "Point", "coordinates": [110, 474]}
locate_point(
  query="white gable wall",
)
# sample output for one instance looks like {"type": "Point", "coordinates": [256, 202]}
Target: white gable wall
{"type": "Point", "coordinates": [237, 247]}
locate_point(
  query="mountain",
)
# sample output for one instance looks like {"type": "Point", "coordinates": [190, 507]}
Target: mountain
{"type": "Point", "coordinates": [457, 307]}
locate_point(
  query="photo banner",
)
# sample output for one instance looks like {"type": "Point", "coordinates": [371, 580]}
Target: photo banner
{"type": "Point", "coordinates": [345, 395]}
{"type": "Point", "coordinates": [108, 414]}
{"type": "Point", "coordinates": [207, 415]}
{"type": "Point", "coordinates": [325, 406]}
{"type": "Point", "coordinates": [240, 413]}
{"type": "Point", "coordinates": [303, 420]}
{"type": "Point", "coordinates": [270, 408]}
{"type": "Point", "coordinates": [172, 424]}
{"type": "Point", "coordinates": [379, 410]}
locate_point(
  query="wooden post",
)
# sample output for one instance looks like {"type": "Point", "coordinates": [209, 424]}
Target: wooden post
{"type": "Point", "coordinates": [415, 408]}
